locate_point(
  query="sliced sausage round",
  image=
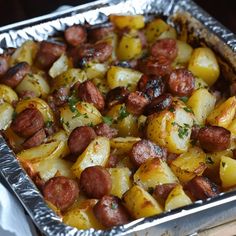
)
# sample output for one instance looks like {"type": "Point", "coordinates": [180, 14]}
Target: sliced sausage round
{"type": "Point", "coordinates": [16, 74]}
{"type": "Point", "coordinates": [4, 65]}
{"type": "Point", "coordinates": [75, 35]}
{"type": "Point", "coordinates": [145, 149]}
{"type": "Point", "coordinates": [61, 192]}
{"type": "Point", "coordinates": [95, 181]}
{"type": "Point", "coordinates": [48, 53]}
{"type": "Point", "coordinates": [202, 188]}
{"type": "Point", "coordinates": [28, 122]}
{"type": "Point", "coordinates": [105, 130]}
{"type": "Point", "coordinates": [80, 138]}
{"type": "Point", "coordinates": [98, 33]}
{"type": "Point", "coordinates": [181, 82]}
{"type": "Point", "coordinates": [136, 103]}
{"type": "Point", "coordinates": [110, 212]}
{"type": "Point", "coordinates": [159, 66]}
{"type": "Point", "coordinates": [99, 52]}
{"type": "Point", "coordinates": [88, 92]}
{"type": "Point", "coordinates": [214, 138]}
{"type": "Point", "coordinates": [165, 48]}
{"type": "Point", "coordinates": [116, 96]}
{"type": "Point", "coordinates": [158, 104]}
{"type": "Point", "coordinates": [152, 87]}
{"type": "Point", "coordinates": [162, 191]}
{"type": "Point", "coordinates": [35, 140]}
{"type": "Point", "coordinates": [112, 161]}
{"type": "Point", "coordinates": [60, 96]}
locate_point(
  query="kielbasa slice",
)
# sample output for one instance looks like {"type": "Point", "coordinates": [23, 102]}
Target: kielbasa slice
{"type": "Point", "coordinates": [96, 33]}
{"type": "Point", "coordinates": [16, 74]}
{"type": "Point", "coordinates": [112, 161]}
{"type": "Point", "coordinates": [35, 140]}
{"type": "Point", "coordinates": [75, 35]}
{"type": "Point", "coordinates": [61, 192]}
{"type": "Point", "coordinates": [202, 188]}
{"type": "Point", "coordinates": [181, 82]}
{"type": "Point", "coordinates": [152, 87]}
{"type": "Point", "coordinates": [95, 181]}
{"type": "Point", "coordinates": [165, 48]}
{"type": "Point", "coordinates": [28, 122]}
{"type": "Point", "coordinates": [99, 52]}
{"type": "Point", "coordinates": [145, 149]}
{"type": "Point", "coordinates": [105, 130]}
{"type": "Point", "coordinates": [159, 104]}
{"type": "Point", "coordinates": [116, 96]}
{"type": "Point", "coordinates": [80, 138]}
{"type": "Point", "coordinates": [88, 92]}
{"type": "Point", "coordinates": [159, 66]}
{"type": "Point", "coordinates": [60, 96]}
{"type": "Point", "coordinates": [162, 191]}
{"type": "Point", "coordinates": [214, 138]}
{"type": "Point", "coordinates": [48, 53]}
{"type": "Point", "coordinates": [136, 103]}
{"type": "Point", "coordinates": [110, 212]}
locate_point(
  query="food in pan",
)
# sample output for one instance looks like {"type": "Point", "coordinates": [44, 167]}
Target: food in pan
{"type": "Point", "coordinates": [119, 121]}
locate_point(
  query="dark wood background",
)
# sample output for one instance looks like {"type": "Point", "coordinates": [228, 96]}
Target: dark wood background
{"type": "Point", "coordinates": [17, 10]}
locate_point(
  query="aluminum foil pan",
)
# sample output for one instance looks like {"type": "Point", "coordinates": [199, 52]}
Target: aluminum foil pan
{"type": "Point", "coordinates": [184, 13]}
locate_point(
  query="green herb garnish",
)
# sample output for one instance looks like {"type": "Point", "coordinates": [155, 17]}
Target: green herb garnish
{"type": "Point", "coordinates": [123, 113]}
{"type": "Point", "coordinates": [107, 119]}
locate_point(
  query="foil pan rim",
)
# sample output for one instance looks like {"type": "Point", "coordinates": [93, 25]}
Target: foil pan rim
{"type": "Point", "coordinates": [46, 219]}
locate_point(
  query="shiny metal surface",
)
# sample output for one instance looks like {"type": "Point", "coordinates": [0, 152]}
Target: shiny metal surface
{"type": "Point", "coordinates": [183, 221]}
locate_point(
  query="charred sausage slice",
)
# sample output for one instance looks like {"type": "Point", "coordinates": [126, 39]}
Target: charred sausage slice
{"type": "Point", "coordinates": [80, 138]}
{"type": "Point", "coordinates": [136, 103]}
{"type": "Point", "coordinates": [99, 52]}
{"type": "Point", "coordinates": [165, 48]}
{"type": "Point", "coordinates": [116, 96]}
{"type": "Point", "coordinates": [35, 140]}
{"type": "Point", "coordinates": [152, 87]}
{"type": "Point", "coordinates": [75, 35]}
{"type": "Point", "coordinates": [61, 192]}
{"type": "Point", "coordinates": [214, 138]}
{"type": "Point", "coordinates": [202, 188]}
{"type": "Point", "coordinates": [181, 82]}
{"type": "Point", "coordinates": [88, 92]}
{"type": "Point", "coordinates": [48, 53]}
{"type": "Point", "coordinates": [95, 182]}
{"type": "Point", "coordinates": [28, 122]}
{"type": "Point", "coordinates": [15, 74]}
{"type": "Point", "coordinates": [105, 130]}
{"type": "Point", "coordinates": [110, 212]}
{"type": "Point", "coordinates": [162, 191]}
{"type": "Point", "coordinates": [145, 149]}
{"type": "Point", "coordinates": [159, 104]}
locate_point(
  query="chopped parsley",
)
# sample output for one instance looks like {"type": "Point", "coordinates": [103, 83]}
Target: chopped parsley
{"type": "Point", "coordinates": [172, 109]}
{"type": "Point", "coordinates": [184, 99]}
{"type": "Point", "coordinates": [61, 120]}
{"type": "Point", "coordinates": [223, 164]}
{"type": "Point", "coordinates": [123, 113]}
{"type": "Point", "coordinates": [90, 124]}
{"type": "Point", "coordinates": [183, 131]}
{"type": "Point", "coordinates": [107, 119]}
{"type": "Point", "coordinates": [187, 109]}
{"type": "Point", "coordinates": [209, 160]}
{"type": "Point", "coordinates": [72, 101]}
